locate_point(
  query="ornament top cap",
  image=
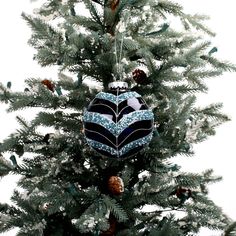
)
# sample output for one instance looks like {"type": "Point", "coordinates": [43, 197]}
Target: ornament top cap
{"type": "Point", "coordinates": [118, 85]}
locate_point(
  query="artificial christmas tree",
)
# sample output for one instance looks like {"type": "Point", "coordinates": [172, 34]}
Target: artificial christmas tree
{"type": "Point", "coordinates": [66, 187]}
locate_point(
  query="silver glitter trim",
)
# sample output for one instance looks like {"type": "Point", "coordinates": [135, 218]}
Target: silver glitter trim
{"type": "Point", "coordinates": [118, 85]}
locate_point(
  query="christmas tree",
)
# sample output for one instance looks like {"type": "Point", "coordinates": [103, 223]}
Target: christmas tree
{"type": "Point", "coordinates": [69, 188]}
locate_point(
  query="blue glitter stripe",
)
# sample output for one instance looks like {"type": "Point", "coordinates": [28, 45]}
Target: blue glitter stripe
{"type": "Point", "coordinates": [99, 119]}
{"type": "Point", "coordinates": [122, 97]}
{"type": "Point", "coordinates": [133, 117]}
{"type": "Point", "coordinates": [136, 143]}
{"type": "Point", "coordinates": [126, 121]}
{"type": "Point", "coordinates": [107, 96]}
{"type": "Point", "coordinates": [113, 98]}
{"type": "Point", "coordinates": [102, 147]}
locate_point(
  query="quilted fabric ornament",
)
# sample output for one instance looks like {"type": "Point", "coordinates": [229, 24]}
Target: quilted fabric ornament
{"type": "Point", "coordinates": [118, 123]}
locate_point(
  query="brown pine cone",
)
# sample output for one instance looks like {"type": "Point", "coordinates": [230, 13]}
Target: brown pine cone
{"type": "Point", "coordinates": [114, 4]}
{"type": "Point", "coordinates": [115, 185]}
{"type": "Point", "coordinates": [111, 231]}
{"type": "Point", "coordinates": [48, 84]}
{"type": "Point", "coordinates": [140, 77]}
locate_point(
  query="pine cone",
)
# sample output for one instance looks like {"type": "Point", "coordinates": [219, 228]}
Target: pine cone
{"type": "Point", "coordinates": [48, 84]}
{"type": "Point", "coordinates": [114, 4]}
{"type": "Point", "coordinates": [115, 185]}
{"type": "Point", "coordinates": [140, 77]}
{"type": "Point", "coordinates": [111, 231]}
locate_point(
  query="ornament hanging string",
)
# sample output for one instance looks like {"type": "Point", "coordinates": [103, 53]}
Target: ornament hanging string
{"type": "Point", "coordinates": [119, 69]}
{"type": "Point", "coordinates": [121, 52]}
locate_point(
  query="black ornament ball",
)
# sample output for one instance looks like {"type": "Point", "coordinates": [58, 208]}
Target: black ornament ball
{"type": "Point", "coordinates": [118, 123]}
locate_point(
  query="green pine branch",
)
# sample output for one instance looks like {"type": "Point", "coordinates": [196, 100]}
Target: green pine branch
{"type": "Point", "coordinates": [115, 208]}
{"type": "Point", "coordinates": [230, 230]}
{"type": "Point", "coordinates": [5, 167]}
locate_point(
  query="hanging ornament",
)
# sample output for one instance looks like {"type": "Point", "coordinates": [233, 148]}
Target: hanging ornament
{"type": "Point", "coordinates": [118, 123]}
{"type": "Point", "coordinates": [48, 84]}
{"type": "Point", "coordinates": [115, 185]}
{"type": "Point", "coordinates": [140, 77]}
